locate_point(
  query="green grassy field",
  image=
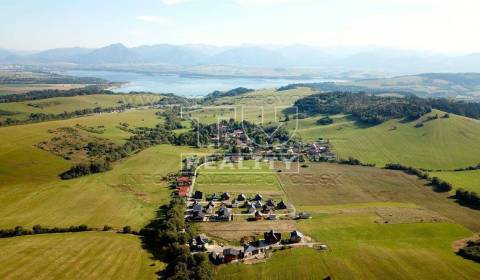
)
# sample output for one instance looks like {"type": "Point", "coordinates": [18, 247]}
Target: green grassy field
{"type": "Point", "coordinates": [127, 195]}
{"type": "Point", "coordinates": [6, 89]}
{"type": "Point", "coordinates": [32, 193]}
{"type": "Point", "coordinates": [439, 144]}
{"type": "Point", "coordinates": [367, 252]}
{"type": "Point", "coordinates": [324, 184]}
{"type": "Point", "coordinates": [59, 105]}
{"type": "Point", "coordinates": [377, 224]}
{"type": "Point", "coordinates": [76, 256]}
{"type": "Point", "coordinates": [468, 180]}
{"type": "Point", "coordinates": [249, 177]}
{"type": "Point", "coordinates": [259, 106]}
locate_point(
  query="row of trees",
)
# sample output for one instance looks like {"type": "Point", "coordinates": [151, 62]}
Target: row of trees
{"type": "Point", "coordinates": [365, 107]}
{"type": "Point", "coordinates": [41, 117]}
{"type": "Point", "coordinates": [49, 93]}
{"type": "Point", "coordinates": [437, 184]}
{"type": "Point", "coordinates": [468, 198]}
{"type": "Point", "coordinates": [38, 229]}
{"type": "Point", "coordinates": [168, 239]}
{"type": "Point", "coordinates": [83, 169]}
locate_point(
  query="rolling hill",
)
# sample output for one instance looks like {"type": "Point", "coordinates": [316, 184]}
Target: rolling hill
{"type": "Point", "coordinates": [438, 144]}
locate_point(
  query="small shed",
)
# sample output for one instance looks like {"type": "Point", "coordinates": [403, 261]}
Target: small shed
{"type": "Point", "coordinates": [304, 215]}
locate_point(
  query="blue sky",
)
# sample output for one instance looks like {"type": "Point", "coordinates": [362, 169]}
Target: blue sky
{"type": "Point", "coordinates": [435, 25]}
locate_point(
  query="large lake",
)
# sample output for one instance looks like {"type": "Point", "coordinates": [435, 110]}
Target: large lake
{"type": "Point", "coordinates": [186, 86]}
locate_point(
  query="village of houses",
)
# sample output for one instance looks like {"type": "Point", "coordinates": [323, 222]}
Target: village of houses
{"type": "Point", "coordinates": [224, 207]}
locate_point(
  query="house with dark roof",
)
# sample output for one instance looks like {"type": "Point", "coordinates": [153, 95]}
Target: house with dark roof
{"type": "Point", "coordinates": [197, 208]}
{"type": "Point", "coordinates": [247, 204]}
{"type": "Point", "coordinates": [225, 196]}
{"type": "Point", "coordinates": [258, 215]}
{"type": "Point", "coordinates": [281, 205]}
{"type": "Point", "coordinates": [266, 209]}
{"type": "Point", "coordinates": [224, 214]}
{"type": "Point", "coordinates": [231, 254]}
{"type": "Point", "coordinates": [198, 216]}
{"type": "Point", "coordinates": [198, 195]}
{"type": "Point", "coordinates": [199, 242]}
{"type": "Point", "coordinates": [258, 204]}
{"type": "Point", "coordinates": [258, 197]}
{"type": "Point", "coordinates": [249, 251]}
{"type": "Point", "coordinates": [217, 258]}
{"type": "Point", "coordinates": [270, 203]}
{"type": "Point", "coordinates": [272, 237]}
{"type": "Point", "coordinates": [251, 209]}
{"type": "Point", "coordinates": [209, 208]}
{"type": "Point", "coordinates": [296, 236]}
{"type": "Point", "coordinates": [242, 197]}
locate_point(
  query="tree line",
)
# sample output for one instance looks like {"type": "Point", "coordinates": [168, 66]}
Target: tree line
{"type": "Point", "coordinates": [41, 117]}
{"type": "Point", "coordinates": [38, 229]}
{"type": "Point", "coordinates": [437, 184]}
{"type": "Point", "coordinates": [167, 237]}
{"type": "Point", "coordinates": [365, 107]}
{"type": "Point", "coordinates": [50, 93]}
{"type": "Point", "coordinates": [468, 198]}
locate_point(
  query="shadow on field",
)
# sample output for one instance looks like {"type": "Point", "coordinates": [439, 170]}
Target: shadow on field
{"type": "Point", "coordinates": [149, 237]}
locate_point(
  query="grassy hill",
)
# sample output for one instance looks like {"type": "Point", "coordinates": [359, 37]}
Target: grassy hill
{"type": "Point", "coordinates": [261, 105]}
{"type": "Point", "coordinates": [76, 256]}
{"type": "Point", "coordinates": [438, 144]}
{"type": "Point", "coordinates": [58, 105]}
{"type": "Point", "coordinates": [31, 192]}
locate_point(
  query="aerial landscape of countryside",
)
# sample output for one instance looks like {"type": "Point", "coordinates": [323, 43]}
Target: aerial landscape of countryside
{"type": "Point", "coordinates": [239, 139]}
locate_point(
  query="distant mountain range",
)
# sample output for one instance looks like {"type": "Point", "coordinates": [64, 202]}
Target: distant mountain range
{"type": "Point", "coordinates": [367, 59]}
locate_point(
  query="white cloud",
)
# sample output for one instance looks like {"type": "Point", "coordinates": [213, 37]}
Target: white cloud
{"type": "Point", "coordinates": [172, 2]}
{"type": "Point", "coordinates": [151, 19]}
